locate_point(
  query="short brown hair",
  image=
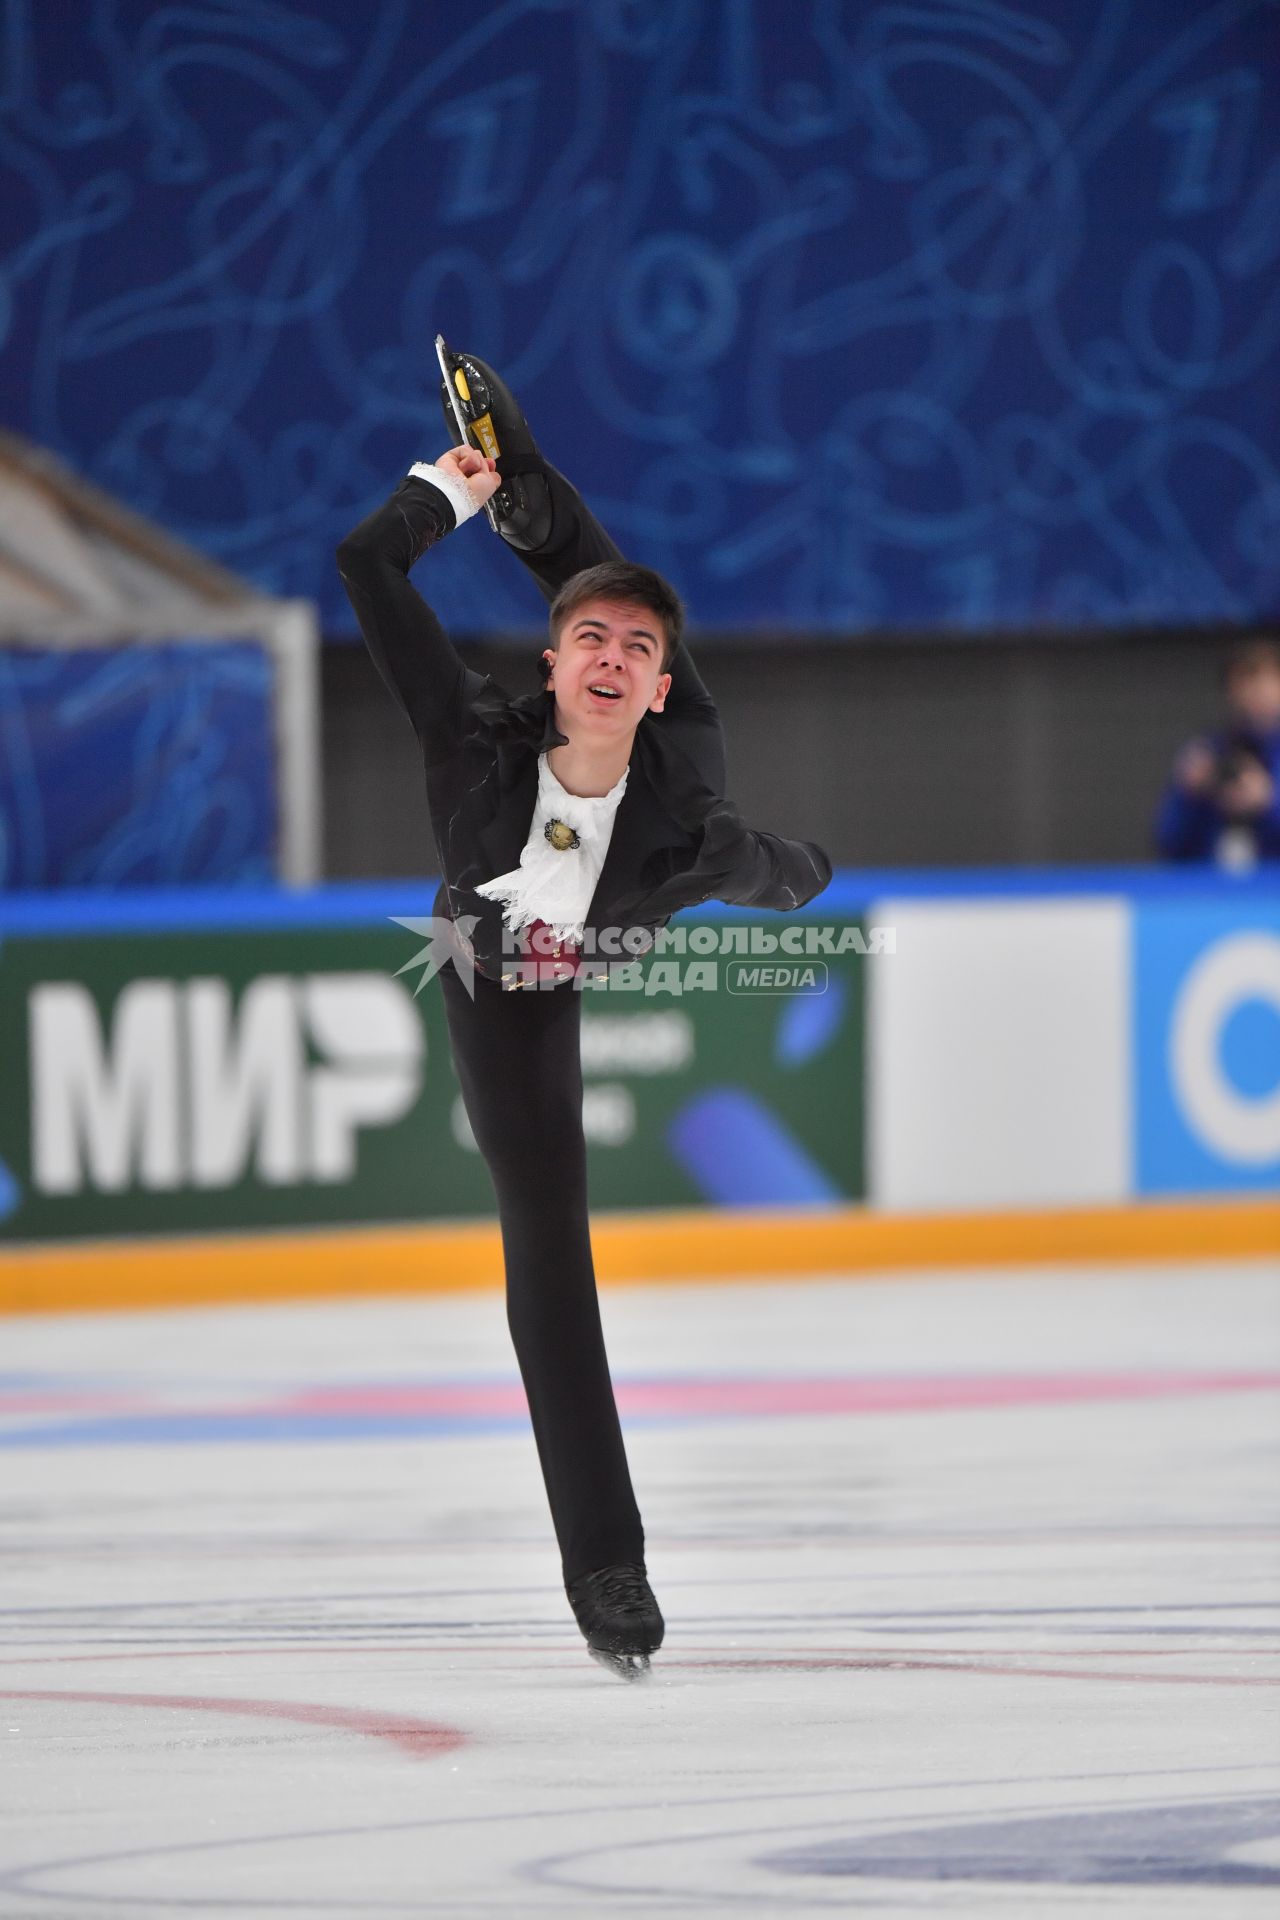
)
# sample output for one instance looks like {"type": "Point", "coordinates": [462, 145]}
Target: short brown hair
{"type": "Point", "coordinates": [621, 580]}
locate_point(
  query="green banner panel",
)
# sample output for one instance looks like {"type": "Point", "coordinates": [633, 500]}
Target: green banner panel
{"type": "Point", "coordinates": [233, 1080]}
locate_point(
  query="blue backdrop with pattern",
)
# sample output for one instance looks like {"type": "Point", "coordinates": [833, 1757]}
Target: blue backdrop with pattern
{"type": "Point", "coordinates": [137, 766]}
{"type": "Point", "coordinates": [953, 314]}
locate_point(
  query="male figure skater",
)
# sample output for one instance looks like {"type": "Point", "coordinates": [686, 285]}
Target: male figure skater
{"type": "Point", "coordinates": [580, 816]}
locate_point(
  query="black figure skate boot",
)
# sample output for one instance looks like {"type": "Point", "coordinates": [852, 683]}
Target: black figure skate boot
{"type": "Point", "coordinates": [481, 411]}
{"type": "Point", "coordinates": [619, 1618]}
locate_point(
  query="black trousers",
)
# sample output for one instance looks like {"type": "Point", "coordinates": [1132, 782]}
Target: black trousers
{"type": "Point", "coordinates": [518, 1060]}
{"type": "Point", "coordinates": [517, 1057]}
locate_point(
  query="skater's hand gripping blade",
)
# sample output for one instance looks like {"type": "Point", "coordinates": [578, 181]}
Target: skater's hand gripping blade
{"type": "Point", "coordinates": [456, 390]}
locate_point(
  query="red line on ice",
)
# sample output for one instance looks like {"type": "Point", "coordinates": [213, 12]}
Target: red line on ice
{"type": "Point", "coordinates": [420, 1738]}
{"type": "Point", "coordinates": [796, 1394]}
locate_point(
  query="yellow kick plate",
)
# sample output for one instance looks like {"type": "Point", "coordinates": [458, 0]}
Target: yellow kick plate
{"type": "Point", "coordinates": [483, 430]}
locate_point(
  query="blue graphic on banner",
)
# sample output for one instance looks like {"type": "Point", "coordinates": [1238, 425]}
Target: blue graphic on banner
{"type": "Point", "coordinates": [845, 315]}
{"type": "Point", "coordinates": [739, 1154]}
{"type": "Point", "coordinates": [1207, 1035]}
{"type": "Point", "coordinates": [810, 1021]}
{"type": "Point", "coordinates": [137, 766]}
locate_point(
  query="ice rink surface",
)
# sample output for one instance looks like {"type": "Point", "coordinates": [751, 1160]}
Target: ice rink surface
{"type": "Point", "coordinates": [971, 1586]}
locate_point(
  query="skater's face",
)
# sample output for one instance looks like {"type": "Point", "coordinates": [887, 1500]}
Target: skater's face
{"type": "Point", "coordinates": [606, 672]}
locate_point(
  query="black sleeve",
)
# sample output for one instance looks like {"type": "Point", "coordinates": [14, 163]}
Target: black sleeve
{"type": "Point", "coordinates": [740, 865]}
{"type": "Point", "coordinates": [691, 717]}
{"type": "Point", "coordinates": [409, 646]}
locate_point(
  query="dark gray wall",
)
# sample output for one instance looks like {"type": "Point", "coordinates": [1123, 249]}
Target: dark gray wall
{"type": "Point", "coordinates": [910, 753]}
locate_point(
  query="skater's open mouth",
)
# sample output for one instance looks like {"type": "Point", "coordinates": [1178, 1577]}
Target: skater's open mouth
{"type": "Point", "coordinates": [606, 693]}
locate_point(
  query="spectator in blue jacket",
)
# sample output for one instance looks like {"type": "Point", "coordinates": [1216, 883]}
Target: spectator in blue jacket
{"type": "Point", "coordinates": [1223, 802]}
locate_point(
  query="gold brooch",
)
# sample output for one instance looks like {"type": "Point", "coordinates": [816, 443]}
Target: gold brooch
{"type": "Point", "coordinates": [561, 835]}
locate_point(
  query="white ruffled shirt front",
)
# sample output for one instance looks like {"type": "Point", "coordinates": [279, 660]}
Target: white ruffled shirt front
{"type": "Point", "coordinates": [552, 885]}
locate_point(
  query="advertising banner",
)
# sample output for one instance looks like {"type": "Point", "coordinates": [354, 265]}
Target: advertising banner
{"type": "Point", "coordinates": [237, 1078]}
{"type": "Point", "coordinates": [1207, 1046]}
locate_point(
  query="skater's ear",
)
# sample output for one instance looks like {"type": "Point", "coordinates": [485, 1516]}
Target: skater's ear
{"type": "Point", "coordinates": [546, 664]}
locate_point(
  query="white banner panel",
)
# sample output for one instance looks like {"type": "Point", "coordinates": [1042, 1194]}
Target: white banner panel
{"type": "Point", "coordinates": [998, 1055]}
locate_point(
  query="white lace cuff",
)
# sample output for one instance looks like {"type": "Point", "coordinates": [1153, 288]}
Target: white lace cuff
{"type": "Point", "coordinates": [455, 491]}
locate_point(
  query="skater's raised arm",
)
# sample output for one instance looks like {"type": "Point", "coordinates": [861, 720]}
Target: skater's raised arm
{"type": "Point", "coordinates": [409, 646]}
{"type": "Point", "coordinates": [691, 719]}
{"type": "Point", "coordinates": [687, 696]}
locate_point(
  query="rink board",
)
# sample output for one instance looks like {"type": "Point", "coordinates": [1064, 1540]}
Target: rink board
{"type": "Point", "coordinates": [656, 1249]}
{"type": "Point", "coordinates": [274, 1066]}
{"type": "Point", "coordinates": [215, 1096]}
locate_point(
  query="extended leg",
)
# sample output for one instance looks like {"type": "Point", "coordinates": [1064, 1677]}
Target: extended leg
{"type": "Point", "coordinates": [576, 539]}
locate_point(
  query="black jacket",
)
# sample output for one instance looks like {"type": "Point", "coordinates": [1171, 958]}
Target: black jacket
{"type": "Point", "coordinates": [676, 840]}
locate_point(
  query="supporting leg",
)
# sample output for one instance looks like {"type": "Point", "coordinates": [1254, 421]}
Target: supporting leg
{"type": "Point", "coordinates": [517, 1056]}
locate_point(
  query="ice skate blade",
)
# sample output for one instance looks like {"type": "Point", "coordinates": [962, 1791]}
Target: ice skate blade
{"type": "Point", "coordinates": [627, 1666]}
{"type": "Point", "coordinates": [445, 358]}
